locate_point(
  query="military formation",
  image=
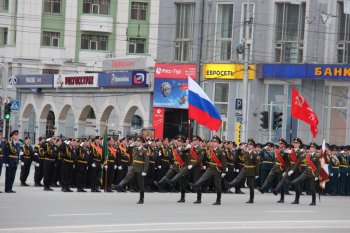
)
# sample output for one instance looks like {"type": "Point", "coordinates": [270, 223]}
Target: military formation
{"type": "Point", "coordinates": [177, 165]}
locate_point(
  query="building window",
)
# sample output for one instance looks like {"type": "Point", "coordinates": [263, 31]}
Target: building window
{"type": "Point", "coordinates": [224, 28]}
{"type": "Point", "coordinates": [4, 5]}
{"type": "Point", "coordinates": [93, 42]}
{"type": "Point", "coordinates": [136, 123]}
{"type": "Point", "coordinates": [97, 7]}
{"type": "Point", "coordinates": [52, 6]}
{"type": "Point", "coordinates": [137, 45]}
{"type": "Point", "coordinates": [50, 124]}
{"type": "Point", "coordinates": [247, 25]}
{"type": "Point", "coordinates": [184, 31]}
{"type": "Point", "coordinates": [3, 36]}
{"type": "Point", "coordinates": [221, 91]}
{"type": "Point", "coordinates": [343, 35]}
{"type": "Point", "coordinates": [289, 37]}
{"type": "Point", "coordinates": [51, 39]}
{"type": "Point", "coordinates": [50, 71]}
{"type": "Point", "coordinates": [139, 10]}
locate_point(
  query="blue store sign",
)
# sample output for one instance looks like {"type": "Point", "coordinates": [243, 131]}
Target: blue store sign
{"type": "Point", "coordinates": [123, 79]}
{"type": "Point", "coordinates": [34, 81]}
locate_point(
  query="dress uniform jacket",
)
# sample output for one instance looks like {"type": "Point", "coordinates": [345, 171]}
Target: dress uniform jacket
{"type": "Point", "coordinates": [11, 157]}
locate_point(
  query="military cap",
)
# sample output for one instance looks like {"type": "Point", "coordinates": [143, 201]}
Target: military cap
{"type": "Point", "coordinates": [270, 144]}
{"type": "Point", "coordinates": [26, 138]}
{"type": "Point", "coordinates": [14, 133]}
{"type": "Point", "coordinates": [97, 137]}
{"type": "Point", "coordinates": [165, 139]}
{"type": "Point", "coordinates": [251, 141]}
{"type": "Point", "coordinates": [216, 139]}
{"type": "Point", "coordinates": [333, 147]}
{"type": "Point", "coordinates": [109, 138]}
{"type": "Point", "coordinates": [181, 138]}
{"type": "Point", "coordinates": [196, 137]}
{"type": "Point", "coordinates": [157, 140]}
{"type": "Point", "coordinates": [281, 140]}
{"type": "Point", "coordinates": [313, 144]}
{"type": "Point", "coordinates": [298, 140]}
{"type": "Point", "coordinates": [258, 145]}
{"type": "Point", "coordinates": [139, 138]}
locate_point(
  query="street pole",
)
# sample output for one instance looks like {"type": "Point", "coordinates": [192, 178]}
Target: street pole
{"type": "Point", "coordinates": [4, 97]}
{"type": "Point", "coordinates": [270, 121]}
{"type": "Point", "coordinates": [245, 77]}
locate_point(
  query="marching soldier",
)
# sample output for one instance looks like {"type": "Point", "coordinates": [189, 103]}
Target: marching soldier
{"type": "Point", "coordinates": [194, 168]}
{"type": "Point", "coordinates": [239, 165]}
{"type": "Point", "coordinates": [27, 156]}
{"type": "Point", "coordinates": [333, 169]}
{"type": "Point", "coordinates": [110, 165]}
{"type": "Point", "coordinates": [343, 171]}
{"type": "Point", "coordinates": [95, 167]}
{"type": "Point", "coordinates": [51, 155]}
{"type": "Point", "coordinates": [39, 155]}
{"type": "Point", "coordinates": [138, 168]}
{"type": "Point", "coordinates": [11, 157]}
{"type": "Point", "coordinates": [83, 158]}
{"type": "Point", "coordinates": [230, 157]}
{"type": "Point", "coordinates": [250, 170]}
{"type": "Point", "coordinates": [123, 159]}
{"type": "Point", "coordinates": [312, 173]}
{"type": "Point", "coordinates": [280, 166]}
{"type": "Point", "coordinates": [152, 152]}
{"type": "Point", "coordinates": [165, 161]}
{"type": "Point", "coordinates": [180, 154]}
{"type": "Point", "coordinates": [267, 158]}
{"type": "Point", "coordinates": [216, 169]}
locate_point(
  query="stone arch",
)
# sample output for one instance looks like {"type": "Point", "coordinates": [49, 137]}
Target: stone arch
{"type": "Point", "coordinates": [27, 110]}
{"type": "Point", "coordinates": [85, 112]}
{"type": "Point", "coordinates": [45, 111]}
{"type": "Point", "coordinates": [105, 114]}
{"type": "Point", "coordinates": [64, 111]}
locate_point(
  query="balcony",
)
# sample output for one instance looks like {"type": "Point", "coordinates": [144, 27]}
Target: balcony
{"type": "Point", "coordinates": [96, 23]}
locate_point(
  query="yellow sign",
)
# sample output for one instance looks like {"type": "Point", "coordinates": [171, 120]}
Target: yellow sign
{"type": "Point", "coordinates": [238, 132]}
{"type": "Point", "coordinates": [227, 71]}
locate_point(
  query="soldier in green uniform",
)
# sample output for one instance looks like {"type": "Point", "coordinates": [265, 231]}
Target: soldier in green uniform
{"type": "Point", "coordinates": [164, 162]}
{"type": "Point", "coordinates": [280, 166]}
{"type": "Point", "coordinates": [27, 156]}
{"type": "Point", "coordinates": [343, 172]}
{"type": "Point", "coordinates": [217, 165]}
{"type": "Point", "coordinates": [239, 165]}
{"type": "Point", "coordinates": [152, 153]}
{"type": "Point", "coordinates": [250, 170]}
{"type": "Point", "coordinates": [230, 158]}
{"type": "Point", "coordinates": [180, 155]}
{"type": "Point", "coordinates": [194, 168]}
{"type": "Point", "coordinates": [312, 173]}
{"type": "Point", "coordinates": [266, 161]}
{"type": "Point", "coordinates": [138, 168]}
{"type": "Point", "coordinates": [11, 157]}
{"type": "Point", "coordinates": [39, 155]}
{"type": "Point", "coordinates": [110, 164]}
{"type": "Point", "coordinates": [333, 169]}
{"type": "Point", "coordinates": [123, 159]}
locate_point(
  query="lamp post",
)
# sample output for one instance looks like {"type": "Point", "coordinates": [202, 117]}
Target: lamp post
{"type": "Point", "coordinates": [4, 96]}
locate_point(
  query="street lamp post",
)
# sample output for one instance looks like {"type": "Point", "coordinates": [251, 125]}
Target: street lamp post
{"type": "Point", "coordinates": [4, 96]}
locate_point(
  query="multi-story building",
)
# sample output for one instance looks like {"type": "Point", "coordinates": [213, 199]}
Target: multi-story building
{"type": "Point", "coordinates": [44, 37]}
{"type": "Point", "coordinates": [217, 34]}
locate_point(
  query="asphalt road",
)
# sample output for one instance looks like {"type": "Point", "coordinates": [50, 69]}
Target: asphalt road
{"type": "Point", "coordinates": [33, 210]}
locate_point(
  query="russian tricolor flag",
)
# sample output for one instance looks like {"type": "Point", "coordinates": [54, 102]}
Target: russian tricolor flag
{"type": "Point", "coordinates": [200, 108]}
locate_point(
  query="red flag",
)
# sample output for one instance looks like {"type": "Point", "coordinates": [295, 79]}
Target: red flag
{"type": "Point", "coordinates": [302, 111]}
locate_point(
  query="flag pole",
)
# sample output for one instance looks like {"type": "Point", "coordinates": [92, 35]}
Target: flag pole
{"type": "Point", "coordinates": [189, 129]}
{"type": "Point", "coordinates": [105, 155]}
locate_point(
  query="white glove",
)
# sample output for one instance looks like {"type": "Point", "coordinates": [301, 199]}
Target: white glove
{"type": "Point", "coordinates": [22, 163]}
{"type": "Point", "coordinates": [7, 165]}
{"type": "Point", "coordinates": [159, 167]}
{"type": "Point", "coordinates": [331, 174]}
{"type": "Point", "coordinates": [284, 173]}
{"type": "Point", "coordinates": [189, 167]}
{"type": "Point", "coordinates": [73, 166]}
{"type": "Point", "coordinates": [188, 146]}
{"type": "Point", "coordinates": [159, 153]}
{"type": "Point", "coordinates": [87, 168]}
{"type": "Point", "coordinates": [106, 166]}
{"type": "Point", "coordinates": [120, 168]}
{"type": "Point", "coordinates": [237, 170]}
{"type": "Point", "coordinates": [205, 167]}
{"type": "Point", "coordinates": [256, 177]}
{"type": "Point", "coordinates": [21, 153]}
{"type": "Point", "coordinates": [339, 175]}
{"type": "Point", "coordinates": [227, 169]}
{"type": "Point", "coordinates": [316, 178]}
{"type": "Point", "coordinates": [115, 167]}
{"type": "Point", "coordinates": [36, 154]}
{"type": "Point", "coordinates": [93, 165]}
{"type": "Point", "coordinates": [132, 144]}
{"type": "Point", "coordinates": [290, 172]}
{"type": "Point", "coordinates": [37, 164]}
{"type": "Point", "coordinates": [143, 174]}
{"type": "Point", "coordinates": [223, 175]}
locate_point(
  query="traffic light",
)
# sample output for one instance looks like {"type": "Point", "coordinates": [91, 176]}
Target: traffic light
{"type": "Point", "coordinates": [264, 120]}
{"type": "Point", "coordinates": [277, 120]}
{"type": "Point", "coordinates": [7, 111]}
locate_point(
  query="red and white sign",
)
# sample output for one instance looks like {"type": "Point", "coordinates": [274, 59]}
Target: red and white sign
{"type": "Point", "coordinates": [158, 122]}
{"type": "Point", "coordinates": [175, 71]}
{"type": "Point", "coordinates": [76, 80]}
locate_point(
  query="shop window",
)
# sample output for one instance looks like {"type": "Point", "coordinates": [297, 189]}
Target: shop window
{"type": "Point", "coordinates": [289, 35]}
{"type": "Point", "coordinates": [184, 31]}
{"type": "Point", "coordinates": [224, 32]}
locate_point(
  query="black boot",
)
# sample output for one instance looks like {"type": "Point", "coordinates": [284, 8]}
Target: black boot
{"type": "Point", "coordinates": [142, 195]}
{"type": "Point", "coordinates": [313, 199]}
{"type": "Point", "coordinates": [251, 197]}
{"type": "Point", "coordinates": [199, 198]}
{"type": "Point", "coordinates": [218, 199]}
{"type": "Point", "coordinates": [162, 182]}
{"type": "Point", "coordinates": [297, 197]}
{"type": "Point", "coordinates": [282, 197]}
{"type": "Point", "coordinates": [194, 186]}
{"type": "Point", "coordinates": [182, 200]}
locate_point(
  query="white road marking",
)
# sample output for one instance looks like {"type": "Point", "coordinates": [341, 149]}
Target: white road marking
{"type": "Point", "coordinates": [65, 215]}
{"type": "Point", "coordinates": [289, 211]}
{"type": "Point", "coordinates": [178, 226]}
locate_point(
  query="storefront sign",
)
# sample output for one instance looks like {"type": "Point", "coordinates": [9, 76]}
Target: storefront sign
{"type": "Point", "coordinates": [30, 81]}
{"type": "Point", "coordinates": [125, 64]}
{"type": "Point", "coordinates": [170, 93]}
{"type": "Point", "coordinates": [76, 80]}
{"type": "Point", "coordinates": [175, 71]}
{"type": "Point", "coordinates": [227, 71]}
{"type": "Point", "coordinates": [158, 122]}
{"type": "Point", "coordinates": [306, 71]}
{"type": "Point", "coordinates": [122, 79]}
